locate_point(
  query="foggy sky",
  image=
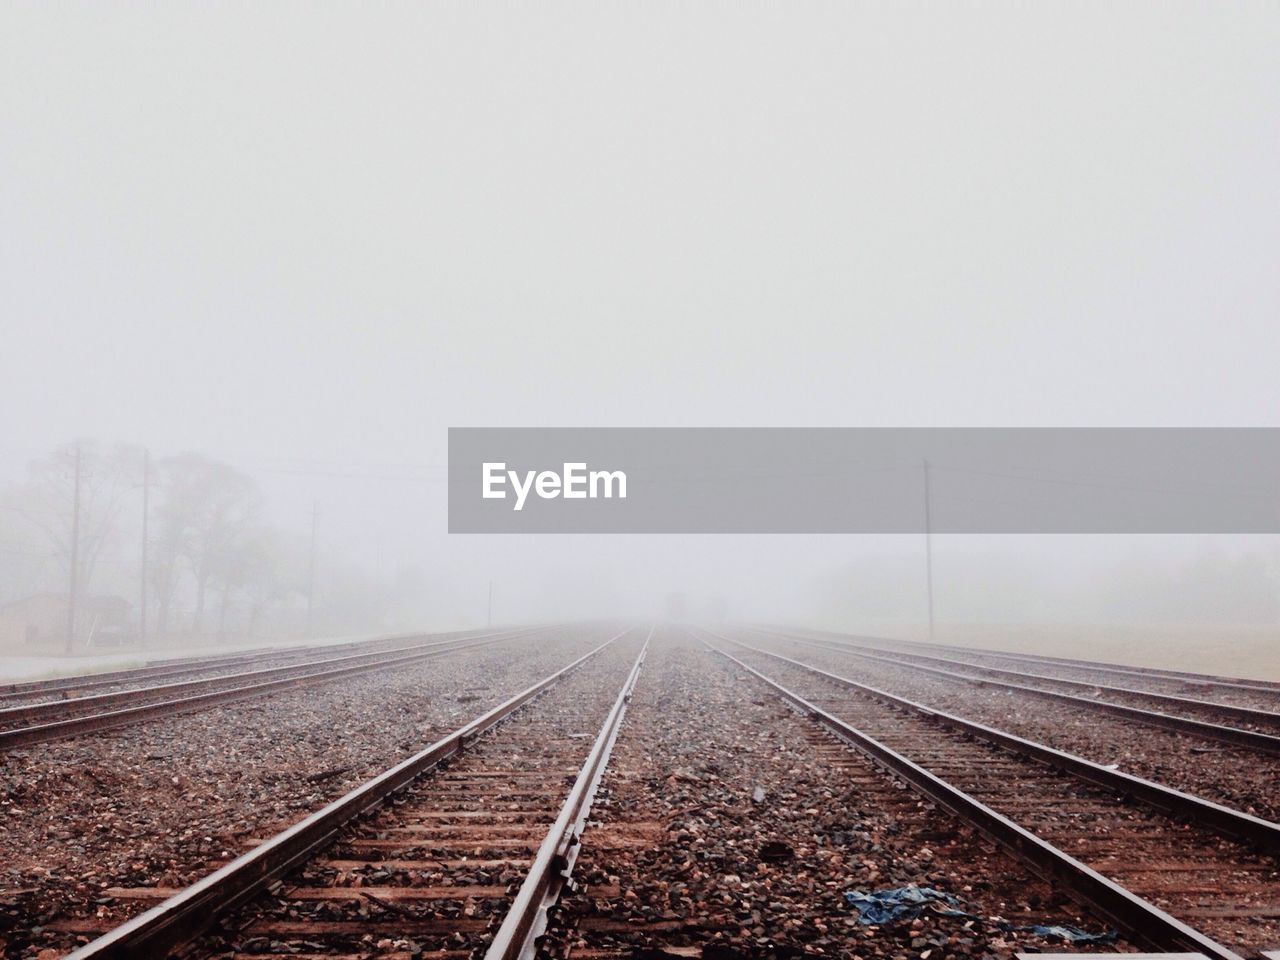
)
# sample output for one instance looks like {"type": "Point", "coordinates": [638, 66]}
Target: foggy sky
{"type": "Point", "coordinates": [308, 239]}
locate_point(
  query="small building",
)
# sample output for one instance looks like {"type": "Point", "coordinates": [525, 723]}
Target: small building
{"type": "Point", "coordinates": [38, 623]}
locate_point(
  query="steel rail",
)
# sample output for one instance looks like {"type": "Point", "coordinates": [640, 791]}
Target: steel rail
{"type": "Point", "coordinates": [151, 668]}
{"type": "Point", "coordinates": [168, 667]}
{"type": "Point", "coordinates": [553, 864]}
{"type": "Point", "coordinates": [1249, 714]}
{"type": "Point", "coordinates": [1234, 736]}
{"type": "Point", "coordinates": [1140, 919]}
{"type": "Point", "coordinates": [35, 711]}
{"type": "Point", "coordinates": [89, 723]}
{"type": "Point", "coordinates": [184, 915]}
{"type": "Point", "coordinates": [1225, 820]}
{"type": "Point", "coordinates": [1271, 687]}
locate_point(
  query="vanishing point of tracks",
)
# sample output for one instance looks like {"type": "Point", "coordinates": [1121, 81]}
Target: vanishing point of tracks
{"type": "Point", "coordinates": [461, 849]}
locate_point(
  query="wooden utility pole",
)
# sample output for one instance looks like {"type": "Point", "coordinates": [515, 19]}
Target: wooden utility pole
{"type": "Point", "coordinates": [489, 618]}
{"type": "Point", "coordinates": [142, 600]}
{"type": "Point", "coordinates": [928, 547]}
{"type": "Point", "coordinates": [311, 569]}
{"type": "Point", "coordinates": [75, 556]}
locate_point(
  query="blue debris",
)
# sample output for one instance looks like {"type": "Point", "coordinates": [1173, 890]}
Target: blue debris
{"type": "Point", "coordinates": [907, 903]}
{"type": "Point", "coordinates": [899, 903]}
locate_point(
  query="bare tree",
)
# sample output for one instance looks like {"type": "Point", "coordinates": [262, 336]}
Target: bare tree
{"type": "Point", "coordinates": [207, 511]}
{"type": "Point", "coordinates": [276, 581]}
{"type": "Point", "coordinates": [207, 546]}
{"type": "Point", "coordinates": [244, 564]}
{"type": "Point", "coordinates": [225, 516]}
{"type": "Point", "coordinates": [107, 475]}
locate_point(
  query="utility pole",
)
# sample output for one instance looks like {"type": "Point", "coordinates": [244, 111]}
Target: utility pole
{"type": "Point", "coordinates": [489, 619]}
{"type": "Point", "coordinates": [928, 547]}
{"type": "Point", "coordinates": [75, 556]}
{"type": "Point", "coordinates": [311, 569]}
{"type": "Point", "coordinates": [142, 600]}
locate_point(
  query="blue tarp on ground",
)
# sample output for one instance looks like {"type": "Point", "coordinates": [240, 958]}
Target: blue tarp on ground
{"type": "Point", "coordinates": [906, 903]}
{"type": "Point", "coordinates": [899, 903]}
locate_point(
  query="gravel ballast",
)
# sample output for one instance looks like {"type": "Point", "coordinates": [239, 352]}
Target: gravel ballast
{"type": "Point", "coordinates": [729, 826]}
{"type": "Point", "coordinates": [1234, 776]}
{"type": "Point", "coordinates": [163, 802]}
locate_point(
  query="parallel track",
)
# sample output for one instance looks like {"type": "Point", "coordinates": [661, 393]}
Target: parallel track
{"type": "Point", "coordinates": [1168, 868]}
{"type": "Point", "coordinates": [1264, 693]}
{"type": "Point", "coordinates": [1256, 718]}
{"type": "Point", "coordinates": [1221, 733]}
{"type": "Point", "coordinates": [64, 718]}
{"type": "Point", "coordinates": [727, 830]}
{"type": "Point", "coordinates": [467, 858]}
{"type": "Point", "coordinates": [79, 684]}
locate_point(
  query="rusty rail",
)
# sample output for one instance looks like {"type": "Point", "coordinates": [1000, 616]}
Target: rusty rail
{"type": "Point", "coordinates": [1225, 820]}
{"type": "Point", "coordinates": [1248, 714]}
{"type": "Point", "coordinates": [176, 666]}
{"type": "Point", "coordinates": [1271, 687]}
{"type": "Point", "coordinates": [527, 918]}
{"type": "Point", "coordinates": [1235, 736]}
{"type": "Point", "coordinates": [154, 933]}
{"type": "Point", "coordinates": [1140, 919]}
{"type": "Point", "coordinates": [88, 723]}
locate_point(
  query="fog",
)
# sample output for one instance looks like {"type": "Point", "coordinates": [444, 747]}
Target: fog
{"type": "Point", "coordinates": [305, 241]}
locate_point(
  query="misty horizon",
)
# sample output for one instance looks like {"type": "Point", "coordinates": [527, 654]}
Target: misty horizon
{"type": "Point", "coordinates": [981, 218]}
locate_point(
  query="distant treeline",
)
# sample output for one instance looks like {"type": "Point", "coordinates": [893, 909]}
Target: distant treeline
{"type": "Point", "coordinates": [213, 565]}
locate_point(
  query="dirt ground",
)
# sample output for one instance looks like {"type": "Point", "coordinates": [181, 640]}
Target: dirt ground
{"type": "Point", "coordinates": [1228, 650]}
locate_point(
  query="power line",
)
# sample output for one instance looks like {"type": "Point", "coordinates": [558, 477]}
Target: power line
{"type": "Point", "coordinates": [55, 513]}
{"type": "Point", "coordinates": [334, 475]}
{"type": "Point", "coordinates": [1214, 489]}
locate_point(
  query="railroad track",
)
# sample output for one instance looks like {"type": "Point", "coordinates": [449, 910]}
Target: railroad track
{"type": "Point", "coordinates": [35, 723]}
{"type": "Point", "coordinates": [61, 686]}
{"type": "Point", "coordinates": [1254, 718]}
{"type": "Point", "coordinates": [1169, 869]}
{"type": "Point", "coordinates": [1019, 682]}
{"type": "Point", "coordinates": [1263, 695]}
{"type": "Point", "coordinates": [727, 827]}
{"type": "Point", "coordinates": [52, 688]}
{"type": "Point", "coordinates": [462, 846]}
